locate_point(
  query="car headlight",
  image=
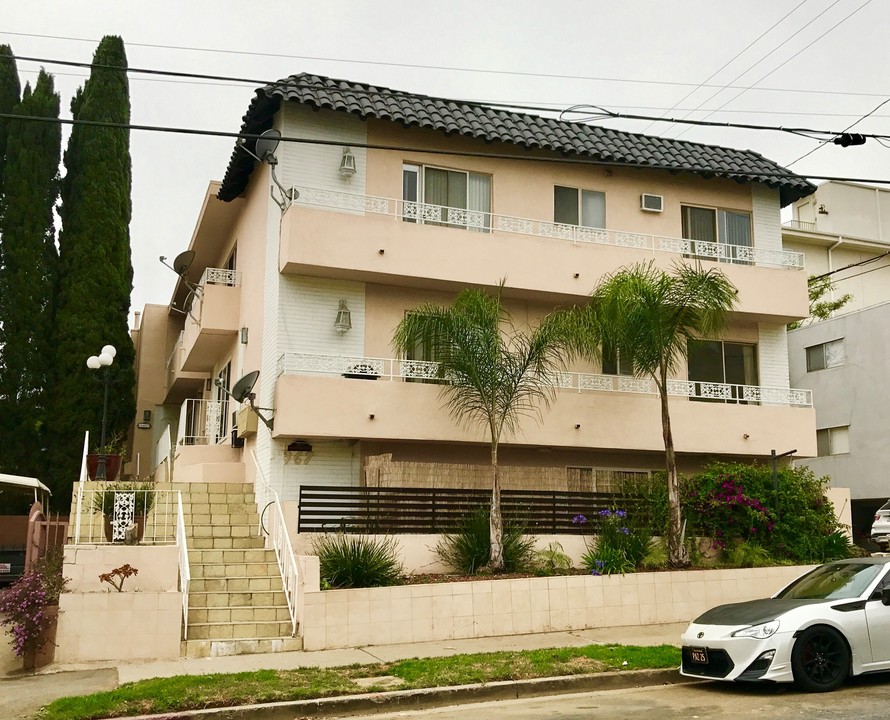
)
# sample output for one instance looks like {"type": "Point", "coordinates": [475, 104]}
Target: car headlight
{"type": "Point", "coordinates": [759, 632]}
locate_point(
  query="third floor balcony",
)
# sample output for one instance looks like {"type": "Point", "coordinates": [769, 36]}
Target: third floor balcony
{"type": "Point", "coordinates": [213, 319]}
{"type": "Point", "coordinates": [376, 239]}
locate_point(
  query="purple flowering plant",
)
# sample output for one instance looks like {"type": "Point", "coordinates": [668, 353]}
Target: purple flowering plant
{"type": "Point", "coordinates": [23, 605]}
{"type": "Point", "coordinates": [727, 512]}
{"type": "Point", "coordinates": [617, 546]}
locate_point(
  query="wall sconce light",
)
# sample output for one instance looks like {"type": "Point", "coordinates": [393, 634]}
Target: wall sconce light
{"type": "Point", "coordinates": [244, 336]}
{"type": "Point", "coordinates": [822, 210]}
{"type": "Point", "coordinates": [344, 319]}
{"type": "Point", "coordinates": [347, 164]}
{"type": "Point", "coordinates": [299, 452]}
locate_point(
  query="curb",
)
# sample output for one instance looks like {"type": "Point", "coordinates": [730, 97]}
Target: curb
{"type": "Point", "coordinates": [373, 703]}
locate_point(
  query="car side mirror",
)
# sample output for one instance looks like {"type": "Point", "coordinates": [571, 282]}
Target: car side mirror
{"type": "Point", "coordinates": [885, 596]}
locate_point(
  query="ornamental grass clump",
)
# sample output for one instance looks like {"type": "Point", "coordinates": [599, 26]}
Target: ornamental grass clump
{"type": "Point", "coordinates": [619, 546]}
{"type": "Point", "coordinates": [357, 561]}
{"type": "Point", "coordinates": [23, 605]}
{"type": "Point", "coordinates": [468, 550]}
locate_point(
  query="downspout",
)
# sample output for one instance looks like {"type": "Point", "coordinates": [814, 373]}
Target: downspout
{"type": "Point", "coordinates": [878, 213]}
{"type": "Point", "coordinates": [840, 239]}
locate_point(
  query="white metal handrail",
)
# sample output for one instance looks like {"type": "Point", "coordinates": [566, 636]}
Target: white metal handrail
{"type": "Point", "coordinates": [404, 210]}
{"type": "Point", "coordinates": [80, 484]}
{"type": "Point", "coordinates": [396, 369]}
{"type": "Point", "coordinates": [284, 551]}
{"type": "Point", "coordinates": [185, 573]}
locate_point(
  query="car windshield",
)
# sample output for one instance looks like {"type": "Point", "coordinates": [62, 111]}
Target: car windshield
{"type": "Point", "coordinates": [836, 581]}
{"type": "Point", "coordinates": [885, 506]}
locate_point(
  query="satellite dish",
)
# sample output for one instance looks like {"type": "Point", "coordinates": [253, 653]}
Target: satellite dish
{"type": "Point", "coordinates": [242, 389]}
{"type": "Point", "coordinates": [183, 261]}
{"type": "Point", "coordinates": [267, 144]}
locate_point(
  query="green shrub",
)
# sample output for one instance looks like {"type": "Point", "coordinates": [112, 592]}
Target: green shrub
{"type": "Point", "coordinates": [357, 561]}
{"type": "Point", "coordinates": [747, 554]}
{"type": "Point", "coordinates": [552, 560]}
{"type": "Point", "coordinates": [836, 546]}
{"type": "Point", "coordinates": [619, 546]}
{"type": "Point", "coordinates": [468, 550]}
{"type": "Point", "coordinates": [656, 554]}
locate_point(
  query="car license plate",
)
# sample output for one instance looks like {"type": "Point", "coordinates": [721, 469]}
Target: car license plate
{"type": "Point", "coordinates": [699, 655]}
{"type": "Point", "coordinates": [5, 567]}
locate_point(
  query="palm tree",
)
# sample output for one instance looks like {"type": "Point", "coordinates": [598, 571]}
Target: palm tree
{"type": "Point", "coordinates": [494, 374]}
{"type": "Point", "coordinates": [649, 315]}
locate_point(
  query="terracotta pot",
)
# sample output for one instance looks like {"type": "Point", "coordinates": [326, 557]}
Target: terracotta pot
{"type": "Point", "coordinates": [112, 466]}
{"type": "Point", "coordinates": [140, 528]}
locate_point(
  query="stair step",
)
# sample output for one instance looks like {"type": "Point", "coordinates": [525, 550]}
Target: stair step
{"type": "Point", "coordinates": [225, 543]}
{"type": "Point", "coordinates": [247, 646]}
{"type": "Point", "coordinates": [236, 518]}
{"type": "Point", "coordinates": [203, 487]}
{"type": "Point", "coordinates": [221, 598]}
{"type": "Point", "coordinates": [232, 531]}
{"type": "Point", "coordinates": [239, 614]}
{"type": "Point", "coordinates": [223, 570]}
{"type": "Point", "coordinates": [231, 556]}
{"type": "Point", "coordinates": [236, 584]}
{"type": "Point", "coordinates": [238, 630]}
{"type": "Point", "coordinates": [225, 508]}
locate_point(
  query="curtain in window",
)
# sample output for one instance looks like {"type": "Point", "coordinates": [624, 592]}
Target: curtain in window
{"type": "Point", "coordinates": [479, 198]}
{"type": "Point", "coordinates": [736, 228]}
{"type": "Point", "coordinates": [565, 205]}
{"type": "Point", "coordinates": [834, 353]}
{"type": "Point", "coordinates": [699, 224]}
{"type": "Point", "coordinates": [593, 209]}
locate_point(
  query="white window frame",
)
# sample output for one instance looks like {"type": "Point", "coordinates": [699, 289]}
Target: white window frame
{"type": "Point", "coordinates": [833, 353]}
{"type": "Point", "coordinates": [419, 170]}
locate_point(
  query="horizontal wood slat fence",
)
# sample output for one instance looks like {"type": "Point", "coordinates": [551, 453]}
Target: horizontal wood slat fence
{"type": "Point", "coordinates": [373, 510]}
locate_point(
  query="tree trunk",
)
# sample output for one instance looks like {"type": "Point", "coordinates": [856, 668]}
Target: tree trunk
{"type": "Point", "coordinates": [495, 521]}
{"type": "Point", "coordinates": [677, 555]}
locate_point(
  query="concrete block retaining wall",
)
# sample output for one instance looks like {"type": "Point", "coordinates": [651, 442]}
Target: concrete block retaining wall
{"type": "Point", "coordinates": [484, 608]}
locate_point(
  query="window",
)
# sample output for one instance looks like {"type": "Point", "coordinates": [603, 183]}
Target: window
{"type": "Point", "coordinates": [827, 355]}
{"type": "Point", "coordinates": [712, 225]}
{"type": "Point", "coordinates": [616, 363]}
{"type": "Point", "coordinates": [446, 197]}
{"type": "Point", "coordinates": [715, 361]}
{"type": "Point", "coordinates": [572, 206]}
{"type": "Point", "coordinates": [417, 367]}
{"type": "Point", "coordinates": [833, 441]}
{"type": "Point", "coordinates": [602, 480]}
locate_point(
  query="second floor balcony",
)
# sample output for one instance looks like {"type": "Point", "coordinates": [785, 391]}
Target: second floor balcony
{"type": "Point", "coordinates": [329, 395]}
{"type": "Point", "coordinates": [213, 319]}
{"type": "Point", "coordinates": [376, 239]}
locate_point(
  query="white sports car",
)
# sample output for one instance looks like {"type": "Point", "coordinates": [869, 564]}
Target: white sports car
{"type": "Point", "coordinates": [830, 623]}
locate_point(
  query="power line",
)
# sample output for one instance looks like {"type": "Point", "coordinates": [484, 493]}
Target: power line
{"type": "Point", "coordinates": [446, 68]}
{"type": "Point", "coordinates": [853, 265]}
{"type": "Point", "coordinates": [716, 72]}
{"type": "Point", "coordinates": [778, 67]}
{"type": "Point", "coordinates": [755, 176]}
{"type": "Point", "coordinates": [384, 91]}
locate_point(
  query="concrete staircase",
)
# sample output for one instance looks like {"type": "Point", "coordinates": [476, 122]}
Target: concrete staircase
{"type": "Point", "coordinates": [236, 600]}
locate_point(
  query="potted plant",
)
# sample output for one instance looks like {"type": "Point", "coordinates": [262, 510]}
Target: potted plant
{"type": "Point", "coordinates": [103, 502]}
{"type": "Point", "coordinates": [113, 452]}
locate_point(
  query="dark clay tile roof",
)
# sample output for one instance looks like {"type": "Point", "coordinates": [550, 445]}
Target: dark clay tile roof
{"type": "Point", "coordinates": [499, 125]}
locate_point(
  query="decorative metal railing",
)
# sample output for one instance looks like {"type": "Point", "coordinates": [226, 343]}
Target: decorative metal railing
{"type": "Point", "coordinates": [799, 225]}
{"type": "Point", "coordinates": [280, 540]}
{"type": "Point", "coordinates": [202, 422]}
{"type": "Point", "coordinates": [414, 370]}
{"type": "Point", "coordinates": [220, 276]}
{"type": "Point", "coordinates": [404, 210]}
{"type": "Point", "coordinates": [127, 515]}
{"type": "Point", "coordinates": [185, 573]}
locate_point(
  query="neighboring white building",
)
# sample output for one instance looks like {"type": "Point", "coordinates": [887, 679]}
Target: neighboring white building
{"type": "Point", "coordinates": [843, 230]}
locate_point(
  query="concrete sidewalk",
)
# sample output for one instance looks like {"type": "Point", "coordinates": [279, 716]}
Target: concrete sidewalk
{"type": "Point", "coordinates": [22, 695]}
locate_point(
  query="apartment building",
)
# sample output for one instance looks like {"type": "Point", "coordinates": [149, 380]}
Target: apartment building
{"type": "Point", "coordinates": [843, 231]}
{"type": "Point", "coordinates": [379, 200]}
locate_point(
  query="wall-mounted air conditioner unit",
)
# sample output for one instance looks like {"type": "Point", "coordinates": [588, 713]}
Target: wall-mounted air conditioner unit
{"type": "Point", "coordinates": [651, 203]}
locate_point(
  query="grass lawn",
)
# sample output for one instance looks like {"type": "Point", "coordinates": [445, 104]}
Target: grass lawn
{"type": "Point", "coordinates": [191, 692]}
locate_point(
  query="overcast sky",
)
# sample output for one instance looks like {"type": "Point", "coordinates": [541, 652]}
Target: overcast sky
{"type": "Point", "coordinates": [808, 63]}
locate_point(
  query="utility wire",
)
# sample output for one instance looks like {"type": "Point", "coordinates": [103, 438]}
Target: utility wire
{"type": "Point", "coordinates": [372, 90]}
{"type": "Point", "coordinates": [445, 68]}
{"type": "Point", "coordinates": [853, 265]}
{"type": "Point", "coordinates": [781, 65]}
{"type": "Point", "coordinates": [754, 175]}
{"type": "Point", "coordinates": [737, 55]}
{"type": "Point", "coordinates": [824, 142]}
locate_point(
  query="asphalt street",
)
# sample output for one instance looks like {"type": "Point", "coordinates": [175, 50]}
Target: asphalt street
{"type": "Point", "coordinates": [865, 698]}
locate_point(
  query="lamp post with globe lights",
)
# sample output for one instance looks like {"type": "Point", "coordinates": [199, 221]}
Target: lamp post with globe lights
{"type": "Point", "coordinates": [94, 362]}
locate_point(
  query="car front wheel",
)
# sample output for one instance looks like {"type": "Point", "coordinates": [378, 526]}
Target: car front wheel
{"type": "Point", "coordinates": [820, 660]}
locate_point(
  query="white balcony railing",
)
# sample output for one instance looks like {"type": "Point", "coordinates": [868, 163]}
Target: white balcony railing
{"type": "Point", "coordinates": [799, 225]}
{"type": "Point", "coordinates": [126, 515]}
{"type": "Point", "coordinates": [415, 370]}
{"type": "Point", "coordinates": [202, 422]}
{"type": "Point", "coordinates": [403, 210]}
{"type": "Point", "coordinates": [220, 276]}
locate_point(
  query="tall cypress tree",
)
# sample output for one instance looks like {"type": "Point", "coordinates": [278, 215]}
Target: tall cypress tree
{"type": "Point", "coordinates": [10, 92]}
{"type": "Point", "coordinates": [95, 271]}
{"type": "Point", "coordinates": [27, 275]}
